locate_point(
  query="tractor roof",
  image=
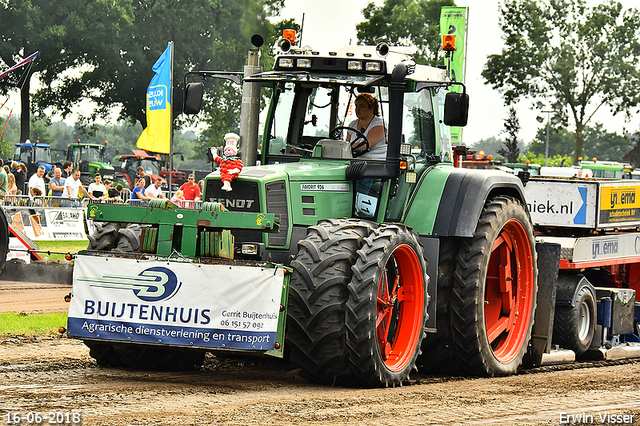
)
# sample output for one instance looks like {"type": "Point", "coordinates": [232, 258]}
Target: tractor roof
{"type": "Point", "coordinates": [358, 65]}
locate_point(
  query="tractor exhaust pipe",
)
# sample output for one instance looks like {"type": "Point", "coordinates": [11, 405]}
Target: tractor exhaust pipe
{"type": "Point", "coordinates": [250, 109]}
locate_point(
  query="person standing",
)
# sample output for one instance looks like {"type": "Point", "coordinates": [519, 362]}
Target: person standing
{"type": "Point", "coordinates": [112, 193]}
{"type": "Point", "coordinates": [56, 185]}
{"type": "Point", "coordinates": [191, 190]}
{"type": "Point", "coordinates": [21, 177]}
{"type": "Point", "coordinates": [36, 181]}
{"type": "Point", "coordinates": [142, 174]}
{"type": "Point", "coordinates": [12, 189]}
{"type": "Point", "coordinates": [97, 188]}
{"type": "Point", "coordinates": [154, 191]}
{"type": "Point", "coordinates": [67, 167]}
{"type": "Point", "coordinates": [3, 179]}
{"type": "Point", "coordinates": [71, 187]}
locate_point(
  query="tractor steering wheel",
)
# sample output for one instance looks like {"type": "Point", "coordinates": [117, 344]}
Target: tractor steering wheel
{"type": "Point", "coordinates": [336, 133]}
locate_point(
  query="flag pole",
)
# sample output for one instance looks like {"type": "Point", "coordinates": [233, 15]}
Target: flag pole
{"type": "Point", "coordinates": [171, 125]}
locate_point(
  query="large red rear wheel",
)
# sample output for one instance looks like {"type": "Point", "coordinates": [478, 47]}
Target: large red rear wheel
{"type": "Point", "coordinates": [494, 294]}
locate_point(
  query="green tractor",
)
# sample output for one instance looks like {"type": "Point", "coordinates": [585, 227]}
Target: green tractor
{"type": "Point", "coordinates": [389, 264]}
{"type": "Point", "coordinates": [90, 158]}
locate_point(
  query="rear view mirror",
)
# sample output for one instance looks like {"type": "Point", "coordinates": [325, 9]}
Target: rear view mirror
{"type": "Point", "coordinates": [456, 109]}
{"type": "Point", "coordinates": [193, 98]}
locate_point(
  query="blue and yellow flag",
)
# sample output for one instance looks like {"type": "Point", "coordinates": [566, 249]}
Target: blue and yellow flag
{"type": "Point", "coordinates": [157, 136]}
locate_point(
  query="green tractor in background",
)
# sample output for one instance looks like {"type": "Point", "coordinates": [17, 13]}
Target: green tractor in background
{"type": "Point", "coordinates": [90, 158]}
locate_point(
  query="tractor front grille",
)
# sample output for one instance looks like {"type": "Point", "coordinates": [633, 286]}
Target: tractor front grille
{"type": "Point", "coordinates": [245, 198]}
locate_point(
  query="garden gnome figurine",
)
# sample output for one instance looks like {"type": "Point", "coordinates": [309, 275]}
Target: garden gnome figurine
{"type": "Point", "coordinates": [230, 163]}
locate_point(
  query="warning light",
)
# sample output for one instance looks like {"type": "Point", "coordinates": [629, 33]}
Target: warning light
{"type": "Point", "coordinates": [403, 164]}
{"type": "Point", "coordinates": [490, 157]}
{"type": "Point", "coordinates": [449, 42]}
{"type": "Point", "coordinates": [289, 35]}
{"type": "Point", "coordinates": [62, 330]}
{"type": "Point", "coordinates": [68, 256]}
{"type": "Point", "coordinates": [528, 162]}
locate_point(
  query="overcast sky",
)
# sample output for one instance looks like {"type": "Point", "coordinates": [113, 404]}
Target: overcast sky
{"type": "Point", "coordinates": [331, 23]}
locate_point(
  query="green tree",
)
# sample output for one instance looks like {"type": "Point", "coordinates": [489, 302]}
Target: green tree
{"type": "Point", "coordinates": [511, 151]}
{"type": "Point", "coordinates": [11, 135]}
{"type": "Point", "coordinates": [561, 141]}
{"type": "Point", "coordinates": [405, 23]}
{"type": "Point", "coordinates": [605, 145]}
{"type": "Point", "coordinates": [561, 51]}
{"type": "Point", "coordinates": [555, 161]}
{"type": "Point", "coordinates": [112, 46]}
{"type": "Point", "coordinates": [222, 105]}
{"type": "Point", "coordinates": [68, 34]}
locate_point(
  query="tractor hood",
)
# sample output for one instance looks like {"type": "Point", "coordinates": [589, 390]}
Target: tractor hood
{"type": "Point", "coordinates": [318, 170]}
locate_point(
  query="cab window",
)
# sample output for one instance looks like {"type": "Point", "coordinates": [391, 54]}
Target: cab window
{"type": "Point", "coordinates": [418, 124]}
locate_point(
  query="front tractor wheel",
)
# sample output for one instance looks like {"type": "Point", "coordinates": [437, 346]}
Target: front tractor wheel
{"type": "Point", "coordinates": [495, 286]}
{"type": "Point", "coordinates": [386, 309]}
{"type": "Point", "coordinates": [316, 334]}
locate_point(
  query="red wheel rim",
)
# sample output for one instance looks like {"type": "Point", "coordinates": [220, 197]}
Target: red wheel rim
{"type": "Point", "coordinates": [509, 291]}
{"type": "Point", "coordinates": [399, 308]}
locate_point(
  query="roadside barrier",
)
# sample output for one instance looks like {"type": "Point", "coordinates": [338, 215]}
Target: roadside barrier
{"type": "Point", "coordinates": [55, 218]}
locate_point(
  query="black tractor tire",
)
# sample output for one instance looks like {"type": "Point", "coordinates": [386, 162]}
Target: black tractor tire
{"type": "Point", "coordinates": [493, 299]}
{"type": "Point", "coordinates": [129, 239]}
{"type": "Point", "coordinates": [4, 239]}
{"type": "Point", "coordinates": [157, 358]}
{"type": "Point", "coordinates": [575, 326]}
{"type": "Point", "coordinates": [104, 236]}
{"type": "Point", "coordinates": [437, 355]}
{"type": "Point", "coordinates": [104, 354]}
{"type": "Point", "coordinates": [316, 333]}
{"type": "Point", "coordinates": [387, 306]}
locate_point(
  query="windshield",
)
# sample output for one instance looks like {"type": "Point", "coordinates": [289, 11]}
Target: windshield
{"type": "Point", "coordinates": [150, 167]}
{"type": "Point", "coordinates": [43, 154]}
{"type": "Point", "coordinates": [305, 113]}
{"type": "Point", "coordinates": [23, 154]}
{"type": "Point", "coordinates": [91, 153]}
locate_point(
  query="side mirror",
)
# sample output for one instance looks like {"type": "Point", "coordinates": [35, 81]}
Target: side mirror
{"type": "Point", "coordinates": [456, 109]}
{"type": "Point", "coordinates": [193, 98]}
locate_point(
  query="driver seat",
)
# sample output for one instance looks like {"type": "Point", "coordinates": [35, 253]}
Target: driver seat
{"type": "Point", "coordinates": [331, 148]}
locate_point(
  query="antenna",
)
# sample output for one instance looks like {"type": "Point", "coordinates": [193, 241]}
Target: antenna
{"type": "Point", "coordinates": [301, 29]}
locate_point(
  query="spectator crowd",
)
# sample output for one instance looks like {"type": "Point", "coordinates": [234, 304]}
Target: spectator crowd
{"type": "Point", "coordinates": [62, 187]}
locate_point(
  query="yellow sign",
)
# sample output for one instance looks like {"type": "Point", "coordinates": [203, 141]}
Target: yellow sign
{"type": "Point", "coordinates": [619, 204]}
{"type": "Point", "coordinates": [619, 197]}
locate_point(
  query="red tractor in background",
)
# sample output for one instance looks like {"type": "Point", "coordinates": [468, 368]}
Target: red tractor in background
{"type": "Point", "coordinates": [128, 164]}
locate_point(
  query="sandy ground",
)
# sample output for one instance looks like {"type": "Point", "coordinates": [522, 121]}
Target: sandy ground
{"type": "Point", "coordinates": [54, 375]}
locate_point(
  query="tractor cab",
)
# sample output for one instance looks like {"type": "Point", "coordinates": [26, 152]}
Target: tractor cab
{"type": "Point", "coordinates": [312, 103]}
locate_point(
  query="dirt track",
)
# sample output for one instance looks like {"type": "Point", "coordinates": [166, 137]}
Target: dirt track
{"type": "Point", "coordinates": [54, 374]}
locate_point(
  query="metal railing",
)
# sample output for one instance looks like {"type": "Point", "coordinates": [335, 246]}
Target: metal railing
{"type": "Point", "coordinates": [54, 201]}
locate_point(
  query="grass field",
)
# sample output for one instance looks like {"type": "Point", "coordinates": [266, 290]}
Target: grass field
{"type": "Point", "coordinates": [31, 324]}
{"type": "Point", "coordinates": [61, 247]}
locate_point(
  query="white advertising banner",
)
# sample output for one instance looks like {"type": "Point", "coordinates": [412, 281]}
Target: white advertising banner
{"type": "Point", "coordinates": [619, 246]}
{"type": "Point", "coordinates": [558, 203]}
{"type": "Point", "coordinates": [48, 223]}
{"type": "Point", "coordinates": [171, 303]}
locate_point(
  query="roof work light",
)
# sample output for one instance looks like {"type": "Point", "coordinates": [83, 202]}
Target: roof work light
{"type": "Point", "coordinates": [449, 42]}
